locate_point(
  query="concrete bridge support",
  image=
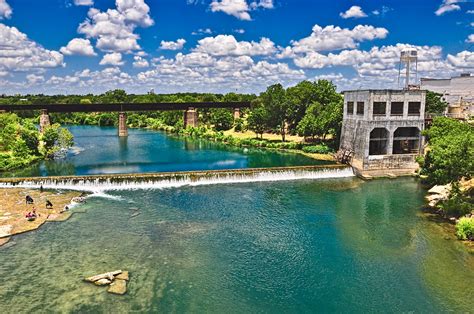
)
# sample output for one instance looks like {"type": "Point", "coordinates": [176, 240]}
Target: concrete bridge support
{"type": "Point", "coordinates": [122, 127]}
{"type": "Point", "coordinates": [190, 117]}
{"type": "Point", "coordinates": [44, 120]}
{"type": "Point", "coordinates": [236, 113]}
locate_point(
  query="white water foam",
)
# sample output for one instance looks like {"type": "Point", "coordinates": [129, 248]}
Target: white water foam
{"type": "Point", "coordinates": [100, 186]}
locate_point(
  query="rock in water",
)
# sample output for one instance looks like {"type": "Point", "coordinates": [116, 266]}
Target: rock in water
{"type": "Point", "coordinates": [102, 282]}
{"type": "Point", "coordinates": [123, 276]}
{"type": "Point", "coordinates": [119, 286]}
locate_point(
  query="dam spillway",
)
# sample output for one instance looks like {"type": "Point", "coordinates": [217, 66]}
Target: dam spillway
{"type": "Point", "coordinates": [101, 183]}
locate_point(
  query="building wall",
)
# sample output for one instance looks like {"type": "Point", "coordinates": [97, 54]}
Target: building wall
{"type": "Point", "coordinates": [356, 128]}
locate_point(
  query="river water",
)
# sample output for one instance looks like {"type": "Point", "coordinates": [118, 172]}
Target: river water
{"type": "Point", "coordinates": [330, 245]}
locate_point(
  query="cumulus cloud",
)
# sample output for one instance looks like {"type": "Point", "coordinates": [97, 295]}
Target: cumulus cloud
{"type": "Point", "coordinates": [333, 38]}
{"type": "Point", "coordinates": [470, 38]}
{"type": "Point", "coordinates": [5, 10]}
{"type": "Point", "coordinates": [448, 6]}
{"type": "Point", "coordinates": [114, 28]}
{"type": "Point", "coordinates": [19, 53]}
{"type": "Point", "coordinates": [140, 62]}
{"type": "Point", "coordinates": [173, 45]}
{"type": "Point", "coordinates": [78, 46]}
{"type": "Point", "coordinates": [226, 45]}
{"type": "Point", "coordinates": [239, 8]}
{"type": "Point", "coordinates": [114, 58]}
{"type": "Point", "coordinates": [84, 2]}
{"type": "Point", "coordinates": [353, 12]}
{"type": "Point", "coordinates": [202, 31]}
{"type": "Point", "coordinates": [34, 79]}
{"type": "Point", "coordinates": [464, 59]}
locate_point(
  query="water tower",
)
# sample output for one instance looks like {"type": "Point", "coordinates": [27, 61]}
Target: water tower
{"type": "Point", "coordinates": [408, 57]}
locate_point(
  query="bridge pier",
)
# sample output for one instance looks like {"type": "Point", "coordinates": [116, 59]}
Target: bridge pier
{"type": "Point", "coordinates": [122, 127]}
{"type": "Point", "coordinates": [236, 113]}
{"type": "Point", "coordinates": [44, 120]}
{"type": "Point", "coordinates": [190, 117]}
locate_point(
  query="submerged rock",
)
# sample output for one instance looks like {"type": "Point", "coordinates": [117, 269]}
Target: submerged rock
{"type": "Point", "coordinates": [122, 276]}
{"type": "Point", "coordinates": [102, 282]}
{"type": "Point", "coordinates": [119, 286]}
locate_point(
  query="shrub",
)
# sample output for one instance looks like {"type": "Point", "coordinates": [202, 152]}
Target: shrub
{"type": "Point", "coordinates": [465, 228]}
{"type": "Point", "coordinates": [317, 149]}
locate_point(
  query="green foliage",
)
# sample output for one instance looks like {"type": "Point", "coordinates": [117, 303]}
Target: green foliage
{"type": "Point", "coordinates": [451, 151]}
{"type": "Point", "coordinates": [257, 120]}
{"type": "Point", "coordinates": [435, 103]}
{"type": "Point", "coordinates": [317, 149]}
{"type": "Point", "coordinates": [239, 125]}
{"type": "Point", "coordinates": [55, 139]}
{"type": "Point", "coordinates": [277, 108]}
{"type": "Point", "coordinates": [465, 228]}
{"type": "Point", "coordinates": [222, 119]}
{"type": "Point", "coordinates": [459, 203]}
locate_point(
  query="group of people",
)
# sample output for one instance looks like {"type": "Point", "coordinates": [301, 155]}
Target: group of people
{"type": "Point", "coordinates": [32, 215]}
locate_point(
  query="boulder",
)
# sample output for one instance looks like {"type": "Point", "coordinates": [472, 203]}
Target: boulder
{"type": "Point", "coordinates": [119, 286]}
{"type": "Point", "coordinates": [123, 276]}
{"type": "Point", "coordinates": [102, 282]}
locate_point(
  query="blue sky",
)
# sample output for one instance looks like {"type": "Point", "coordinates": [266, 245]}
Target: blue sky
{"type": "Point", "coordinates": [90, 46]}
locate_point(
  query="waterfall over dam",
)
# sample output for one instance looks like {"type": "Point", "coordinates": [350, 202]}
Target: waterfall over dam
{"type": "Point", "coordinates": [101, 183]}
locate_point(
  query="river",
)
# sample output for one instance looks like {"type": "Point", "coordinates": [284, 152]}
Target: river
{"type": "Point", "coordinates": [330, 245]}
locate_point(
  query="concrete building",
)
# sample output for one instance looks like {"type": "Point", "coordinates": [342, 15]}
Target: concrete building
{"type": "Point", "coordinates": [458, 92]}
{"type": "Point", "coordinates": [382, 130]}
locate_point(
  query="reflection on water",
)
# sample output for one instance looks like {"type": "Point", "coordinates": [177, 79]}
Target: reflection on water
{"type": "Point", "coordinates": [332, 246]}
{"type": "Point", "coordinates": [98, 150]}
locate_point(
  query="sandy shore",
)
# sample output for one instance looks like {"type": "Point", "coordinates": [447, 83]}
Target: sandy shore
{"type": "Point", "coordinates": [13, 209]}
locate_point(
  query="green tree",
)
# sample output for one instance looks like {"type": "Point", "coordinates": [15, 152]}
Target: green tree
{"type": "Point", "coordinates": [450, 153]}
{"type": "Point", "coordinates": [435, 103]}
{"type": "Point", "coordinates": [222, 119]}
{"type": "Point", "coordinates": [277, 108]}
{"type": "Point", "coordinates": [257, 120]}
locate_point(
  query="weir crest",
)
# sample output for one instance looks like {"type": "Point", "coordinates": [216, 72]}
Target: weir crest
{"type": "Point", "coordinates": [100, 184]}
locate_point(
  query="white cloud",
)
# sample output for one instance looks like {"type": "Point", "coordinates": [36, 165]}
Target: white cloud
{"type": "Point", "coordinates": [266, 4]}
{"type": "Point", "coordinates": [227, 45]}
{"type": "Point", "coordinates": [114, 58]}
{"type": "Point", "coordinates": [470, 12]}
{"type": "Point", "coordinates": [84, 2]}
{"type": "Point", "coordinates": [173, 45]}
{"type": "Point", "coordinates": [5, 10]}
{"type": "Point", "coordinates": [239, 31]}
{"type": "Point", "coordinates": [353, 12]}
{"type": "Point", "coordinates": [78, 46]}
{"type": "Point", "coordinates": [34, 79]}
{"type": "Point", "coordinates": [333, 38]}
{"type": "Point", "coordinates": [470, 38]}
{"type": "Point", "coordinates": [464, 59]}
{"type": "Point", "coordinates": [18, 53]}
{"type": "Point", "coordinates": [448, 6]}
{"type": "Point", "coordinates": [140, 62]}
{"type": "Point", "coordinates": [237, 8]}
{"type": "Point", "coordinates": [114, 28]}
{"type": "Point", "coordinates": [202, 31]}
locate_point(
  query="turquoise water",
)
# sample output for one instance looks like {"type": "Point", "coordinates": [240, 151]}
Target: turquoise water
{"type": "Point", "coordinates": [333, 245]}
{"type": "Point", "coordinates": [98, 150]}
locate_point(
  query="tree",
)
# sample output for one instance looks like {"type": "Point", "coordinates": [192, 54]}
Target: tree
{"type": "Point", "coordinates": [222, 119]}
{"type": "Point", "coordinates": [277, 108]}
{"type": "Point", "coordinates": [257, 120]}
{"type": "Point", "coordinates": [435, 103]}
{"type": "Point", "coordinates": [451, 151]}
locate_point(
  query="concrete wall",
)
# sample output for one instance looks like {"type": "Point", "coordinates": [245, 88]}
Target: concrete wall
{"type": "Point", "coordinates": [356, 128]}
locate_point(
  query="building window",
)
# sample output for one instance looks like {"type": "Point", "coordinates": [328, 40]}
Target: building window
{"type": "Point", "coordinates": [406, 141]}
{"type": "Point", "coordinates": [379, 108]}
{"type": "Point", "coordinates": [378, 141]}
{"type": "Point", "coordinates": [360, 107]}
{"type": "Point", "coordinates": [396, 108]}
{"type": "Point", "coordinates": [414, 108]}
{"type": "Point", "coordinates": [350, 107]}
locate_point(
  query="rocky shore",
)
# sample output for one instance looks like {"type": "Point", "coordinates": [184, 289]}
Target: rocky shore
{"type": "Point", "coordinates": [13, 209]}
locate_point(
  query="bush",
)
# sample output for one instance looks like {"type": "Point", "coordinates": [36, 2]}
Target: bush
{"type": "Point", "coordinates": [317, 149]}
{"type": "Point", "coordinates": [465, 228]}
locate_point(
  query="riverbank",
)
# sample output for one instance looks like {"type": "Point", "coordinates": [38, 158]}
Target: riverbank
{"type": "Point", "coordinates": [13, 209]}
